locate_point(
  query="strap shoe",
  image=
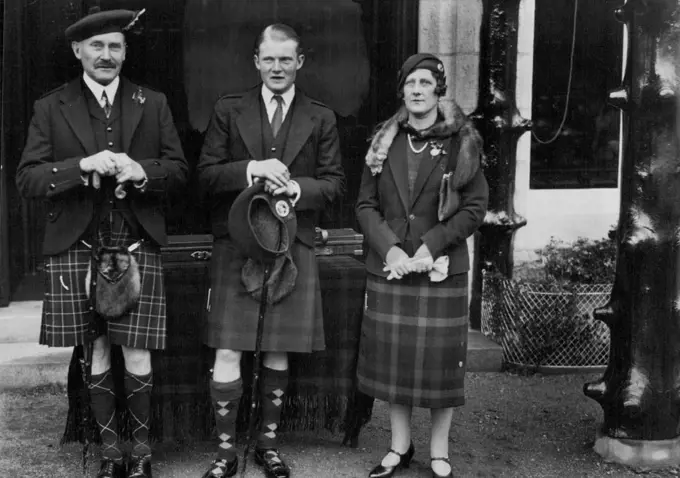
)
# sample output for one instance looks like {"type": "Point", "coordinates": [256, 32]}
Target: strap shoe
{"type": "Point", "coordinates": [381, 471]}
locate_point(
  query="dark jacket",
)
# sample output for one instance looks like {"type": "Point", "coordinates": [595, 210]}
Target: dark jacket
{"type": "Point", "coordinates": [389, 216]}
{"type": "Point", "coordinates": [60, 135]}
{"type": "Point", "coordinates": [312, 154]}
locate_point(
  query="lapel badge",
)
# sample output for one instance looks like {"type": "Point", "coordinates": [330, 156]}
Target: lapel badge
{"type": "Point", "coordinates": [138, 96]}
{"type": "Point", "coordinates": [282, 208]}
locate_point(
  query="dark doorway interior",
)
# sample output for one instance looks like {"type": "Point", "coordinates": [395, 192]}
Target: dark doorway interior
{"type": "Point", "coordinates": [194, 51]}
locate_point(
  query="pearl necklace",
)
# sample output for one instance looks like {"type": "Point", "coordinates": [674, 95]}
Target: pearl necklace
{"type": "Point", "coordinates": [410, 143]}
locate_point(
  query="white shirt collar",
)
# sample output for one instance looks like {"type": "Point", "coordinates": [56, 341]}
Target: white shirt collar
{"type": "Point", "coordinates": [97, 89]}
{"type": "Point", "coordinates": [268, 95]}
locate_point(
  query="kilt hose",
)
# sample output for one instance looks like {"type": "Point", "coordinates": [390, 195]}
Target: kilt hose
{"type": "Point", "coordinates": [65, 317]}
{"type": "Point", "coordinates": [295, 324]}
{"type": "Point", "coordinates": [413, 342]}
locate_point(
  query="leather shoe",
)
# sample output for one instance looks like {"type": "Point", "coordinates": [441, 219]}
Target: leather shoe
{"type": "Point", "coordinates": [111, 469]}
{"type": "Point", "coordinates": [270, 460]}
{"type": "Point", "coordinates": [387, 471]}
{"type": "Point", "coordinates": [140, 467]}
{"type": "Point", "coordinates": [437, 475]}
{"type": "Point", "coordinates": [222, 468]}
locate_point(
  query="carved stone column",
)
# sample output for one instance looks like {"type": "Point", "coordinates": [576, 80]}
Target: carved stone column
{"type": "Point", "coordinates": [640, 390]}
{"type": "Point", "coordinates": [501, 125]}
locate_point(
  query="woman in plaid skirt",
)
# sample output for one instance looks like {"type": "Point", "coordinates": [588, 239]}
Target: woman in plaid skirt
{"type": "Point", "coordinates": [414, 332]}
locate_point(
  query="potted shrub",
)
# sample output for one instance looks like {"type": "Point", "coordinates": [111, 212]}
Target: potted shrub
{"type": "Point", "coordinates": [542, 317]}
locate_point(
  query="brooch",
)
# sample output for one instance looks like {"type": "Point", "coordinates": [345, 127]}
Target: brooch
{"type": "Point", "coordinates": [138, 96]}
{"type": "Point", "coordinates": [436, 149]}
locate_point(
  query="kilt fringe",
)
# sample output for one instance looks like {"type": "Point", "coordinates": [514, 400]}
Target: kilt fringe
{"type": "Point", "coordinates": [307, 407]}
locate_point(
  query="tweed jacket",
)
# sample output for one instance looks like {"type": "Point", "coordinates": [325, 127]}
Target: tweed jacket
{"type": "Point", "coordinates": [312, 155]}
{"type": "Point", "coordinates": [389, 215]}
{"type": "Point", "coordinates": [60, 135]}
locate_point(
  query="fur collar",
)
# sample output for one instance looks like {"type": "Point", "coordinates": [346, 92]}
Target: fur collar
{"type": "Point", "coordinates": [453, 121]}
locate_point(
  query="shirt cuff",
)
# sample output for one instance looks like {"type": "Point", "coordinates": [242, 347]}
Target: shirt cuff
{"type": "Point", "coordinates": [249, 174]}
{"type": "Point", "coordinates": [298, 192]}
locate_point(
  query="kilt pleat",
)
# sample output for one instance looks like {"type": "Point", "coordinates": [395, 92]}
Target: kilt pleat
{"type": "Point", "coordinates": [295, 324]}
{"type": "Point", "coordinates": [65, 317]}
{"type": "Point", "coordinates": [413, 342]}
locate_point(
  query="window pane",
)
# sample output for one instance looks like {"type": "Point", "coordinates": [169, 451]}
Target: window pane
{"type": "Point", "coordinates": [585, 152]}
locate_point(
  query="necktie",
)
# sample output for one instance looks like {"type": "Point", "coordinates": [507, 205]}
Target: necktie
{"type": "Point", "coordinates": [107, 105]}
{"type": "Point", "coordinates": [277, 119]}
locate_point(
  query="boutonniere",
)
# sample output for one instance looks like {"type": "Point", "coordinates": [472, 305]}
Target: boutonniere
{"type": "Point", "coordinates": [436, 149]}
{"type": "Point", "coordinates": [138, 96]}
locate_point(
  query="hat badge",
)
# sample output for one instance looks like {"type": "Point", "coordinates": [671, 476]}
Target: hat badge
{"type": "Point", "coordinates": [440, 67]}
{"type": "Point", "coordinates": [282, 208]}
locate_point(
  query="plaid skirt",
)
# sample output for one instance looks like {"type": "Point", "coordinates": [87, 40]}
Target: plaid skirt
{"type": "Point", "coordinates": [66, 315]}
{"type": "Point", "coordinates": [293, 325]}
{"type": "Point", "coordinates": [413, 342]}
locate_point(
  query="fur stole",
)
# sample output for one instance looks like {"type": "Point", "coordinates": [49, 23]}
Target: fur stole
{"type": "Point", "coordinates": [451, 121]}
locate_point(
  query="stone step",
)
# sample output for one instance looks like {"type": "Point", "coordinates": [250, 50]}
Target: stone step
{"type": "Point", "coordinates": [24, 363]}
{"type": "Point", "coordinates": [483, 354]}
{"type": "Point", "coordinates": [20, 322]}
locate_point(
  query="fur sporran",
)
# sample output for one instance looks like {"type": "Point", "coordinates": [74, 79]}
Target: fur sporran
{"type": "Point", "coordinates": [118, 283]}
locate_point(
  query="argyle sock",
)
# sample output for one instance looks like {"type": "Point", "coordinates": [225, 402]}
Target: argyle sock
{"type": "Point", "coordinates": [226, 397]}
{"type": "Point", "coordinates": [103, 406]}
{"type": "Point", "coordinates": [138, 395]}
{"type": "Point", "coordinates": [272, 390]}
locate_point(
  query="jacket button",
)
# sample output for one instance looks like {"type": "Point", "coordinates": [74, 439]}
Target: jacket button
{"type": "Point", "coordinates": [110, 143]}
{"type": "Point", "coordinates": [52, 186]}
{"type": "Point", "coordinates": [273, 150]}
{"type": "Point", "coordinates": [109, 129]}
{"type": "Point", "coordinates": [411, 217]}
{"type": "Point", "coordinates": [50, 215]}
{"type": "Point", "coordinates": [54, 170]}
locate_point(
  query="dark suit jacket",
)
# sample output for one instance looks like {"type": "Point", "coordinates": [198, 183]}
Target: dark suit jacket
{"type": "Point", "coordinates": [312, 154]}
{"type": "Point", "coordinates": [60, 135]}
{"type": "Point", "coordinates": [389, 216]}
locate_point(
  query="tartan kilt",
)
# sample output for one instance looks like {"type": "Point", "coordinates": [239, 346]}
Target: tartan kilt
{"type": "Point", "coordinates": [413, 342]}
{"type": "Point", "coordinates": [295, 324]}
{"type": "Point", "coordinates": [66, 316]}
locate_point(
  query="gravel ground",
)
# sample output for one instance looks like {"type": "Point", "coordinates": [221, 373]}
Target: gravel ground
{"type": "Point", "coordinates": [512, 426]}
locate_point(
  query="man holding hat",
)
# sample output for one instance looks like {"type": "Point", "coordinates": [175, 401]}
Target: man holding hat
{"type": "Point", "coordinates": [276, 136]}
{"type": "Point", "coordinates": [104, 152]}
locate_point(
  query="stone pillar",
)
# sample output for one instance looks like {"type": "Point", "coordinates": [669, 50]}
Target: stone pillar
{"type": "Point", "coordinates": [450, 29]}
{"type": "Point", "coordinates": [640, 390]}
{"type": "Point", "coordinates": [501, 125]}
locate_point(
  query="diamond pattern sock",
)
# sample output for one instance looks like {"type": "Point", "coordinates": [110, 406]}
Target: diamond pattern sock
{"type": "Point", "coordinates": [226, 397]}
{"type": "Point", "coordinates": [272, 390]}
{"type": "Point", "coordinates": [103, 405]}
{"type": "Point", "coordinates": [138, 394]}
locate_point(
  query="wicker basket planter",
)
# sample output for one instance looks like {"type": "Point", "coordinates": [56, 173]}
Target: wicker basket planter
{"type": "Point", "coordinates": [544, 327]}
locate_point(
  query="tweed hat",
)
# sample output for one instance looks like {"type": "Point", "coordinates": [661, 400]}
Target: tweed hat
{"type": "Point", "coordinates": [262, 226]}
{"type": "Point", "coordinates": [420, 60]}
{"type": "Point", "coordinates": [100, 22]}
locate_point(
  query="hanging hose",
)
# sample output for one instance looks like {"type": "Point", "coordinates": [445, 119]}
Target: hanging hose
{"type": "Point", "coordinates": [571, 74]}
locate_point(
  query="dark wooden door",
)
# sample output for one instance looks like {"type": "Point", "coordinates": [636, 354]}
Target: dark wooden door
{"type": "Point", "coordinates": [194, 51]}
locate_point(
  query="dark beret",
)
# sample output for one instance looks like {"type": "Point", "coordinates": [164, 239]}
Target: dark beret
{"type": "Point", "coordinates": [420, 60]}
{"type": "Point", "coordinates": [99, 23]}
{"type": "Point", "coordinates": [262, 226]}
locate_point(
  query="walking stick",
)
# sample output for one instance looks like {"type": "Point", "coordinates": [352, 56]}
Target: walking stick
{"type": "Point", "coordinates": [256, 367]}
{"type": "Point", "coordinates": [92, 334]}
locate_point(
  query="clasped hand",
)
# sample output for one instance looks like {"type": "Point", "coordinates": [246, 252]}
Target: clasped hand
{"type": "Point", "coordinates": [120, 165]}
{"type": "Point", "coordinates": [399, 264]}
{"type": "Point", "coordinates": [275, 175]}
